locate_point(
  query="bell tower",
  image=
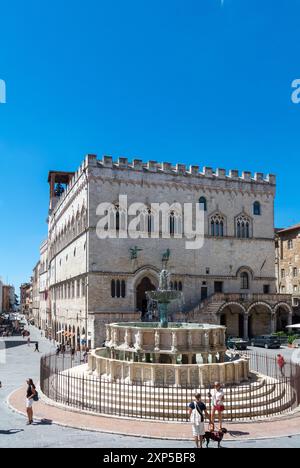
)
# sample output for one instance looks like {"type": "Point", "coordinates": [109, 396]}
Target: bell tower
{"type": "Point", "coordinates": [58, 183]}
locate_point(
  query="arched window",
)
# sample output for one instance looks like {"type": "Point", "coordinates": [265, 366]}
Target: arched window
{"type": "Point", "coordinates": [217, 225]}
{"type": "Point", "coordinates": [243, 224]}
{"type": "Point", "coordinates": [113, 288]}
{"type": "Point", "coordinates": [180, 286]}
{"type": "Point", "coordinates": [172, 223]}
{"type": "Point", "coordinates": [175, 222]}
{"type": "Point", "coordinates": [176, 286]}
{"type": "Point", "coordinates": [203, 203]}
{"type": "Point", "coordinates": [118, 288]}
{"type": "Point", "coordinates": [117, 219]}
{"type": "Point", "coordinates": [150, 222]}
{"type": "Point", "coordinates": [123, 288]}
{"type": "Point", "coordinates": [256, 209]}
{"type": "Point", "coordinates": [245, 280]}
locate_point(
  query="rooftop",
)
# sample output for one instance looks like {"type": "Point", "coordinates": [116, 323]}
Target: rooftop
{"type": "Point", "coordinates": [291, 228]}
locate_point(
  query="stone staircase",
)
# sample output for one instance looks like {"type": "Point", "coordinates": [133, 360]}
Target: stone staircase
{"type": "Point", "coordinates": [206, 310]}
{"type": "Point", "coordinates": [260, 398]}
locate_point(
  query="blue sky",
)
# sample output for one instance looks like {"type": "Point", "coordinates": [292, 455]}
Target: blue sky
{"type": "Point", "coordinates": [187, 81]}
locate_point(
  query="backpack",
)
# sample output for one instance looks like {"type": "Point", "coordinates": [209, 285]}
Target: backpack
{"type": "Point", "coordinates": [197, 415]}
{"type": "Point", "coordinates": [36, 396]}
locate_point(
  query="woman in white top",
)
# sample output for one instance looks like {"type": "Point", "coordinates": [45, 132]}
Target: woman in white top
{"type": "Point", "coordinates": [218, 398]}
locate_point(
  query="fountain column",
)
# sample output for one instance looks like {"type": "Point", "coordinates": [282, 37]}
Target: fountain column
{"type": "Point", "coordinates": [174, 342]}
{"type": "Point", "coordinates": [163, 310]}
{"type": "Point", "coordinates": [205, 358]}
{"type": "Point", "coordinates": [128, 338]}
{"type": "Point", "coordinates": [177, 377]}
{"type": "Point", "coordinates": [108, 335]}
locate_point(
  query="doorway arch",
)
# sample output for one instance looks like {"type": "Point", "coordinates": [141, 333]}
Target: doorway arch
{"type": "Point", "coordinates": [143, 286]}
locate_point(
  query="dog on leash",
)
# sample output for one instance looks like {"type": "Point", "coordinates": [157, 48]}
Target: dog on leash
{"type": "Point", "coordinates": [215, 436]}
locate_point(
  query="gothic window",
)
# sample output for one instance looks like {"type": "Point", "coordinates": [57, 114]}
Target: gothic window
{"type": "Point", "coordinates": [243, 225]}
{"type": "Point", "coordinates": [113, 288]}
{"type": "Point", "coordinates": [77, 223]}
{"type": "Point", "coordinates": [245, 280]}
{"type": "Point", "coordinates": [217, 225]}
{"type": "Point", "coordinates": [73, 225]}
{"type": "Point", "coordinates": [150, 222]}
{"type": "Point", "coordinates": [203, 203]}
{"type": "Point", "coordinates": [295, 272]}
{"type": "Point", "coordinates": [172, 223]}
{"type": "Point", "coordinates": [180, 286]}
{"type": "Point", "coordinates": [123, 288]}
{"type": "Point", "coordinates": [118, 288]}
{"type": "Point", "coordinates": [290, 244]}
{"type": "Point", "coordinates": [256, 209]}
{"type": "Point", "coordinates": [175, 224]}
{"type": "Point", "coordinates": [117, 219]}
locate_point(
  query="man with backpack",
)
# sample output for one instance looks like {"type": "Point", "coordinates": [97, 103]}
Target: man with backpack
{"type": "Point", "coordinates": [198, 413]}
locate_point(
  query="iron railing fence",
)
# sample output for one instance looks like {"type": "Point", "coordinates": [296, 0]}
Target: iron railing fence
{"type": "Point", "coordinates": [270, 393]}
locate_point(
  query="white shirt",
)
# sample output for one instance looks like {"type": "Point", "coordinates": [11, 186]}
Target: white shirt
{"type": "Point", "coordinates": [218, 397]}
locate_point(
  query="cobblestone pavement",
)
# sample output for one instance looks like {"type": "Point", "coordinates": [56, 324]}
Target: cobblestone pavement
{"type": "Point", "coordinates": [18, 361]}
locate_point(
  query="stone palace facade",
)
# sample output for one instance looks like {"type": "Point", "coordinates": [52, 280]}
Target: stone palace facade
{"type": "Point", "coordinates": [288, 264]}
{"type": "Point", "coordinates": [89, 282]}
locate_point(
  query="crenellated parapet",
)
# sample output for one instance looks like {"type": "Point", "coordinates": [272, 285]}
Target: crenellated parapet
{"type": "Point", "coordinates": [181, 170]}
{"type": "Point", "coordinates": [193, 176]}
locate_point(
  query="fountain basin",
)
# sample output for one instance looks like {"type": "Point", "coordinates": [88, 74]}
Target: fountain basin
{"type": "Point", "coordinates": [167, 375]}
{"type": "Point", "coordinates": [179, 338]}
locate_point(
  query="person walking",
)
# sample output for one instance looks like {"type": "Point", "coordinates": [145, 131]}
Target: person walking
{"type": "Point", "coordinates": [36, 347]}
{"type": "Point", "coordinates": [30, 395]}
{"type": "Point", "coordinates": [281, 364]}
{"type": "Point", "coordinates": [28, 341]}
{"type": "Point", "coordinates": [198, 413]}
{"type": "Point", "coordinates": [218, 398]}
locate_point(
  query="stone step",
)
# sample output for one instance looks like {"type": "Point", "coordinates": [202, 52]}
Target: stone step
{"type": "Point", "coordinates": [263, 394]}
{"type": "Point", "coordinates": [127, 399]}
{"type": "Point", "coordinates": [181, 414]}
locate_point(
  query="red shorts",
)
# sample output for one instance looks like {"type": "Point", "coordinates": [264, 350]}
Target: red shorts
{"type": "Point", "coordinates": [219, 408]}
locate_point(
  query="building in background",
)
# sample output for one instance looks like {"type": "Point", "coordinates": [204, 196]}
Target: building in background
{"type": "Point", "coordinates": [36, 294]}
{"type": "Point", "coordinates": [288, 265]}
{"type": "Point", "coordinates": [26, 299]}
{"type": "Point", "coordinates": [8, 298]}
{"type": "Point", "coordinates": [1, 298]}
{"type": "Point", "coordinates": [87, 282]}
{"type": "Point", "coordinates": [45, 321]}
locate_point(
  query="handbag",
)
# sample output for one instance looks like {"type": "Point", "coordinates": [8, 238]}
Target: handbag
{"type": "Point", "coordinates": [196, 416]}
{"type": "Point", "coordinates": [36, 397]}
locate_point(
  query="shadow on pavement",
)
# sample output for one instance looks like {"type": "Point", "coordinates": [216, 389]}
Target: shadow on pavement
{"type": "Point", "coordinates": [43, 422]}
{"type": "Point", "coordinates": [238, 433]}
{"type": "Point", "coordinates": [11, 431]}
